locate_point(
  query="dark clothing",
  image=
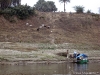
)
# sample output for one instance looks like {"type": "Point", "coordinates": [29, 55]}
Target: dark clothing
{"type": "Point", "coordinates": [75, 55]}
{"type": "Point", "coordinates": [78, 54]}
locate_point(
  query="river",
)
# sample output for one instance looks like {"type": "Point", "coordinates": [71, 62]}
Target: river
{"type": "Point", "coordinates": [51, 69]}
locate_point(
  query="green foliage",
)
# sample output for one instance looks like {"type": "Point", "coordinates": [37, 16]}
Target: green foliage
{"type": "Point", "coordinates": [9, 11]}
{"type": "Point", "coordinates": [45, 6]}
{"type": "Point", "coordinates": [9, 3]}
{"type": "Point", "coordinates": [16, 2]}
{"type": "Point", "coordinates": [22, 12]}
{"type": "Point", "coordinates": [79, 9]}
{"type": "Point", "coordinates": [3, 59]}
{"type": "Point", "coordinates": [88, 11]}
{"type": "Point", "coordinates": [1, 12]}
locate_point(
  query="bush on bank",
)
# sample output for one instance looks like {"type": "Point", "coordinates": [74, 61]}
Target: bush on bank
{"type": "Point", "coordinates": [22, 12]}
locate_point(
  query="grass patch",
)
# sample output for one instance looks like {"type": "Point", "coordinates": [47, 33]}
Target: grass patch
{"type": "Point", "coordinates": [84, 46]}
{"type": "Point", "coordinates": [47, 57]}
{"type": "Point", "coordinates": [52, 46]}
{"type": "Point", "coordinates": [3, 59]}
{"type": "Point", "coordinates": [46, 46]}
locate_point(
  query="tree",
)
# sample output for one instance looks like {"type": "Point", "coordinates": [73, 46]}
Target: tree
{"type": "Point", "coordinates": [50, 6]}
{"type": "Point", "coordinates": [79, 9]}
{"type": "Point", "coordinates": [8, 3]}
{"type": "Point", "coordinates": [88, 11]}
{"type": "Point", "coordinates": [38, 5]}
{"type": "Point", "coordinates": [64, 1]}
{"type": "Point", "coordinates": [16, 2]}
{"type": "Point", "coordinates": [45, 6]}
{"type": "Point", "coordinates": [5, 3]}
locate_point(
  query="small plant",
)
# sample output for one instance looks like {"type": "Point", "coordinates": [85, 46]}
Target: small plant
{"type": "Point", "coordinates": [41, 17]}
{"type": "Point", "coordinates": [95, 16]}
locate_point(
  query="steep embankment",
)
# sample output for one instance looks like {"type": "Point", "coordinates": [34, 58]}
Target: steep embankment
{"type": "Point", "coordinates": [29, 39]}
{"type": "Point", "coordinates": [64, 27]}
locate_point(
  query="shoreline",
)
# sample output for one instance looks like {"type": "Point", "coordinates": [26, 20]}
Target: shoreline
{"type": "Point", "coordinates": [30, 62]}
{"type": "Point", "coordinates": [29, 53]}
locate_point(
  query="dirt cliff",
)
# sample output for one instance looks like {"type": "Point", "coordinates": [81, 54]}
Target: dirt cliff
{"type": "Point", "coordinates": [52, 27]}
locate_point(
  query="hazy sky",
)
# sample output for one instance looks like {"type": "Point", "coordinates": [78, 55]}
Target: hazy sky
{"type": "Point", "coordinates": [88, 4]}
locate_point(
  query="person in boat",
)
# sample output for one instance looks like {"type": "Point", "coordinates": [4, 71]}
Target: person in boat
{"type": "Point", "coordinates": [78, 58]}
{"type": "Point", "coordinates": [75, 54]}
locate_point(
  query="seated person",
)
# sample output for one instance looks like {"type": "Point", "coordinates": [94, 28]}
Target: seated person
{"type": "Point", "coordinates": [75, 54]}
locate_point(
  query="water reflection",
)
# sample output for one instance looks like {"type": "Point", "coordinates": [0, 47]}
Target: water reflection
{"type": "Point", "coordinates": [50, 69]}
{"type": "Point", "coordinates": [80, 67]}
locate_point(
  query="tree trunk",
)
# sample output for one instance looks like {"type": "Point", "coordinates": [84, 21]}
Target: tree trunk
{"type": "Point", "coordinates": [64, 7]}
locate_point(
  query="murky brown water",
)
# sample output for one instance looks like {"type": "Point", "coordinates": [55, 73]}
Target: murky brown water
{"type": "Point", "coordinates": [51, 69]}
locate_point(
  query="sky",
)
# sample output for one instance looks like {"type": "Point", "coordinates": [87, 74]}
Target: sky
{"type": "Point", "coordinates": [87, 4]}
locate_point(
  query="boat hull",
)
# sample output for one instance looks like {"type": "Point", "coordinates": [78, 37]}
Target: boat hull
{"type": "Point", "coordinates": [82, 61]}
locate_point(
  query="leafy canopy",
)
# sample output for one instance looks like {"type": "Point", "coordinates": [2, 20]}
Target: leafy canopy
{"type": "Point", "coordinates": [79, 9]}
{"type": "Point", "coordinates": [9, 3]}
{"type": "Point", "coordinates": [45, 6]}
{"type": "Point", "coordinates": [22, 11]}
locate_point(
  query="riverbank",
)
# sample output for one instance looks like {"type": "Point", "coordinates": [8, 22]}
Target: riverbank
{"type": "Point", "coordinates": [30, 62]}
{"type": "Point", "coordinates": [29, 53]}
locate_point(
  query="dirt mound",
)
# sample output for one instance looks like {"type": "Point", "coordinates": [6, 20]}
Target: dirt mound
{"type": "Point", "coordinates": [63, 27]}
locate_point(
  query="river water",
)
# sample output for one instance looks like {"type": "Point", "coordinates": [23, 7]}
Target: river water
{"type": "Point", "coordinates": [51, 69]}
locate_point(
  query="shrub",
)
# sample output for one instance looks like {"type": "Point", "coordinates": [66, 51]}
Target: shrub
{"type": "Point", "coordinates": [79, 9]}
{"type": "Point", "coordinates": [22, 12]}
{"type": "Point", "coordinates": [1, 12]}
{"type": "Point", "coordinates": [88, 11]}
{"type": "Point", "coordinates": [9, 11]}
